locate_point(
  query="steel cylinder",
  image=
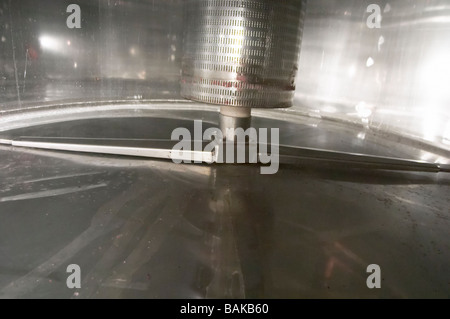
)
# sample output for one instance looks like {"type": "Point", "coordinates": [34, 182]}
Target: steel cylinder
{"type": "Point", "coordinates": [242, 53]}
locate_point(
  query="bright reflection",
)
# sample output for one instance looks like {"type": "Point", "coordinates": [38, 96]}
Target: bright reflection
{"type": "Point", "coordinates": [426, 156]}
{"type": "Point", "coordinates": [50, 43]}
{"type": "Point", "coordinates": [446, 138]}
{"type": "Point", "coordinates": [363, 109]}
{"type": "Point", "coordinates": [380, 43]}
{"type": "Point", "coordinates": [329, 109]}
{"type": "Point", "coordinates": [430, 126]}
{"type": "Point", "coordinates": [352, 71]}
{"type": "Point", "coordinates": [434, 77]}
{"type": "Point", "coordinates": [441, 160]}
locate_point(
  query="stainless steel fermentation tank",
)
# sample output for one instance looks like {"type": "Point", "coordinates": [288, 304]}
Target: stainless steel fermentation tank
{"type": "Point", "coordinates": [370, 118]}
{"type": "Point", "coordinates": [242, 54]}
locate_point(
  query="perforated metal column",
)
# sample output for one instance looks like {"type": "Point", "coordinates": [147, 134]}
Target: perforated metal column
{"type": "Point", "coordinates": [242, 52]}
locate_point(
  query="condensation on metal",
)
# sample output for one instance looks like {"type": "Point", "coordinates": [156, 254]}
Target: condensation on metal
{"type": "Point", "coordinates": [242, 52]}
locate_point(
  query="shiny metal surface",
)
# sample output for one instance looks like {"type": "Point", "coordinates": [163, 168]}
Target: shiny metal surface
{"type": "Point", "coordinates": [124, 50]}
{"type": "Point", "coordinates": [155, 149]}
{"type": "Point", "coordinates": [231, 118]}
{"type": "Point", "coordinates": [242, 52]}
{"type": "Point", "coordinates": [163, 149]}
{"type": "Point", "coordinates": [155, 229]}
{"type": "Point", "coordinates": [390, 79]}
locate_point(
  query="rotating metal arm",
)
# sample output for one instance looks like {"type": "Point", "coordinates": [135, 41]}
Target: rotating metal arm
{"type": "Point", "coordinates": [164, 149]}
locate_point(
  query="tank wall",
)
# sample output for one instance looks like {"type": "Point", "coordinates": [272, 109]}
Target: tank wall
{"type": "Point", "coordinates": [393, 78]}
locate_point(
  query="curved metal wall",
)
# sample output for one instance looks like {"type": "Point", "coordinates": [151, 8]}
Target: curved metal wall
{"type": "Point", "coordinates": [391, 78]}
